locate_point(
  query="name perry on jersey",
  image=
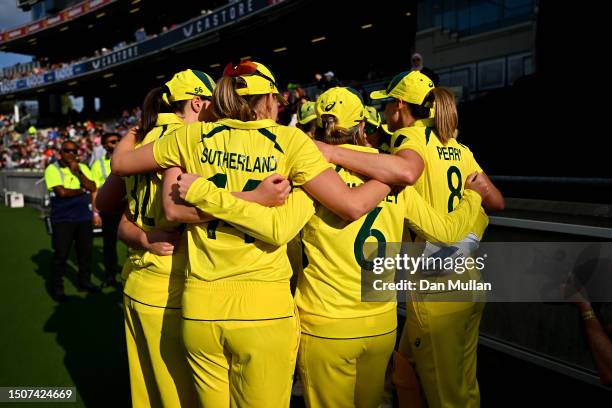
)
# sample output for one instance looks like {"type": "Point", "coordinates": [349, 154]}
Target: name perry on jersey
{"type": "Point", "coordinates": [449, 153]}
{"type": "Point", "coordinates": [239, 161]}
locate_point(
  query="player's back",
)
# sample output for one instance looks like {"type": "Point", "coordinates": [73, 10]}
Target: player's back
{"type": "Point", "coordinates": [330, 286]}
{"type": "Point", "coordinates": [446, 165]}
{"type": "Point", "coordinates": [237, 156]}
{"type": "Point", "coordinates": [150, 278]}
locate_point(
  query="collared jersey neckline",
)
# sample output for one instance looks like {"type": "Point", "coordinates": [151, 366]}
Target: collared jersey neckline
{"type": "Point", "coordinates": [252, 124]}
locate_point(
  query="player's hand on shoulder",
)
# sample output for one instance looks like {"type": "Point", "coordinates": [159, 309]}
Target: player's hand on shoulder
{"type": "Point", "coordinates": [273, 190]}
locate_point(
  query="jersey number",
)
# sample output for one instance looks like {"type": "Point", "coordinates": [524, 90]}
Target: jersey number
{"type": "Point", "coordinates": [366, 231]}
{"type": "Point", "coordinates": [454, 191]}
{"type": "Point", "coordinates": [140, 210]}
{"type": "Point", "coordinates": [220, 180]}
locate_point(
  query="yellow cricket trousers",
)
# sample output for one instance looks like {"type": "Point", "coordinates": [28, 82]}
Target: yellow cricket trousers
{"type": "Point", "coordinates": [159, 372]}
{"type": "Point", "coordinates": [441, 339]}
{"type": "Point", "coordinates": [242, 363]}
{"type": "Point", "coordinates": [338, 373]}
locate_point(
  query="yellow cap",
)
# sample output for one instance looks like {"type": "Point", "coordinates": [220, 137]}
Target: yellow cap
{"type": "Point", "coordinates": [385, 127]}
{"type": "Point", "coordinates": [306, 113]}
{"type": "Point", "coordinates": [186, 84]}
{"type": "Point", "coordinates": [258, 79]}
{"type": "Point", "coordinates": [409, 86]}
{"type": "Point", "coordinates": [343, 103]}
{"type": "Point", "coordinates": [372, 116]}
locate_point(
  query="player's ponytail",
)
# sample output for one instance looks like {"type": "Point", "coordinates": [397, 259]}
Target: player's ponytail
{"type": "Point", "coordinates": [331, 134]}
{"type": "Point", "coordinates": [151, 108]}
{"type": "Point", "coordinates": [446, 117]}
{"type": "Point", "coordinates": [228, 104]}
{"type": "Point", "coordinates": [157, 102]}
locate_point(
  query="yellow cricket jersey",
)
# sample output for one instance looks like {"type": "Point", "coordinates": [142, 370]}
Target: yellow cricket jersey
{"type": "Point", "coordinates": [100, 170]}
{"type": "Point", "coordinates": [152, 279]}
{"type": "Point", "coordinates": [329, 290]}
{"type": "Point", "coordinates": [237, 155]}
{"type": "Point", "coordinates": [446, 167]}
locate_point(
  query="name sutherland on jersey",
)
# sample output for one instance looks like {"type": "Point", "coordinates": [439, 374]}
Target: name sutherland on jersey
{"type": "Point", "coordinates": [239, 161]}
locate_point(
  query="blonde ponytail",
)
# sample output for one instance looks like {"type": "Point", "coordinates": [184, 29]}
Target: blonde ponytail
{"type": "Point", "coordinates": [446, 117]}
{"type": "Point", "coordinates": [228, 104]}
{"type": "Point", "coordinates": [331, 134]}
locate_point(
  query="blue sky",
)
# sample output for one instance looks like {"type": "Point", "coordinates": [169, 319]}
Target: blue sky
{"type": "Point", "coordinates": [11, 16]}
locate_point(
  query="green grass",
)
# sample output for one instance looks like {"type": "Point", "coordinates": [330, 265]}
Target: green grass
{"type": "Point", "coordinates": [78, 343]}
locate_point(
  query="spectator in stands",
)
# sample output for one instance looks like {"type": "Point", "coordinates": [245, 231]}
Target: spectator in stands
{"type": "Point", "coordinates": [70, 184]}
{"type": "Point", "coordinates": [599, 337]}
{"type": "Point", "coordinates": [329, 80]}
{"type": "Point", "coordinates": [326, 81]}
{"type": "Point", "coordinates": [100, 170]}
{"type": "Point", "coordinates": [417, 65]}
{"type": "Point", "coordinates": [140, 34]}
{"type": "Point", "coordinates": [597, 333]}
{"type": "Point", "coordinates": [417, 62]}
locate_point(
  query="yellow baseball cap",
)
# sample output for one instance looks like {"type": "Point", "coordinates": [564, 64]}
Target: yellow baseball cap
{"type": "Point", "coordinates": [409, 86]}
{"type": "Point", "coordinates": [385, 127]}
{"type": "Point", "coordinates": [343, 103]}
{"type": "Point", "coordinates": [258, 78]}
{"type": "Point", "coordinates": [186, 84]}
{"type": "Point", "coordinates": [372, 116]}
{"type": "Point", "coordinates": [306, 113]}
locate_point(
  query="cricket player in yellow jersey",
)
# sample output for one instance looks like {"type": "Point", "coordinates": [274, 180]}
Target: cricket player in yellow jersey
{"type": "Point", "coordinates": [240, 328]}
{"type": "Point", "coordinates": [154, 277]}
{"type": "Point", "coordinates": [346, 343]}
{"type": "Point", "coordinates": [306, 118]}
{"type": "Point", "coordinates": [440, 338]}
{"type": "Point", "coordinates": [376, 131]}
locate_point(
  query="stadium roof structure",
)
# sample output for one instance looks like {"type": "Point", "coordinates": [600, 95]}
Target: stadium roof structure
{"type": "Point", "coordinates": [296, 38]}
{"type": "Point", "coordinates": [93, 24]}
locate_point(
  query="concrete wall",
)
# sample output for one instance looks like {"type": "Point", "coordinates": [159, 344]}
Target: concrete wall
{"type": "Point", "coordinates": [443, 49]}
{"type": "Point", "coordinates": [30, 183]}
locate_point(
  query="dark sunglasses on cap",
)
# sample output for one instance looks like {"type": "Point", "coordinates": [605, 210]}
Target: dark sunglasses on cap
{"type": "Point", "coordinates": [73, 151]}
{"type": "Point", "coordinates": [245, 68]}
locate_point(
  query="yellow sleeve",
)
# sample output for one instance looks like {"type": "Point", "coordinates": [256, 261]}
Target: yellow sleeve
{"type": "Point", "coordinates": [409, 138]}
{"type": "Point", "coordinates": [85, 170]}
{"type": "Point", "coordinates": [471, 160]}
{"type": "Point", "coordinates": [52, 177]}
{"type": "Point", "coordinates": [436, 227]}
{"type": "Point", "coordinates": [170, 150]}
{"type": "Point", "coordinates": [306, 161]}
{"type": "Point", "coordinates": [96, 172]}
{"type": "Point", "coordinates": [274, 225]}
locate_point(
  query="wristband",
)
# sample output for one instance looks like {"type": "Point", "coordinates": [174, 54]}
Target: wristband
{"type": "Point", "coordinates": [588, 315]}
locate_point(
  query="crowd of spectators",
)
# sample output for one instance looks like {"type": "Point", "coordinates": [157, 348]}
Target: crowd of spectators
{"type": "Point", "coordinates": [41, 66]}
{"type": "Point", "coordinates": [26, 147]}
